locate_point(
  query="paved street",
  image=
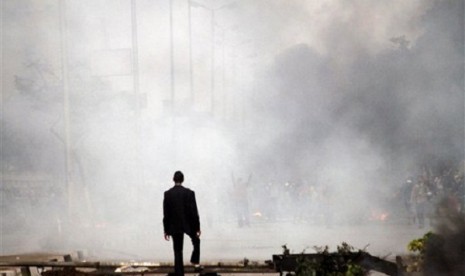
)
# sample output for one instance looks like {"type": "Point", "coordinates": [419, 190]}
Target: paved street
{"type": "Point", "coordinates": [259, 242]}
{"type": "Point", "coordinates": [226, 241]}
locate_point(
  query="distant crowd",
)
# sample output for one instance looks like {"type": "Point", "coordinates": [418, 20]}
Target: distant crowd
{"type": "Point", "coordinates": [280, 201]}
{"type": "Point", "coordinates": [418, 198]}
{"type": "Point", "coordinates": [424, 194]}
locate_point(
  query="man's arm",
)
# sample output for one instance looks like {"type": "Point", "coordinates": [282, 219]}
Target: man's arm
{"type": "Point", "coordinates": [195, 214]}
{"type": "Point", "coordinates": [165, 217]}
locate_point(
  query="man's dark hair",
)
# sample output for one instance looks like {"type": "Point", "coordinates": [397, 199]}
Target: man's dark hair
{"type": "Point", "coordinates": [178, 177]}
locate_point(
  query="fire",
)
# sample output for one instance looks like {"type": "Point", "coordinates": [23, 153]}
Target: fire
{"type": "Point", "coordinates": [257, 214]}
{"type": "Point", "coordinates": [377, 215]}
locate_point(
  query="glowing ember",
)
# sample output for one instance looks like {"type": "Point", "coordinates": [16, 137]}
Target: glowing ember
{"type": "Point", "coordinates": [379, 215]}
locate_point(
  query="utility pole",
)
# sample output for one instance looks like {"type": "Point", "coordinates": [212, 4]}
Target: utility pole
{"type": "Point", "coordinates": [191, 69]}
{"type": "Point", "coordinates": [66, 121]}
{"type": "Point", "coordinates": [2, 169]}
{"type": "Point", "coordinates": [212, 78]}
{"type": "Point", "coordinates": [223, 75]}
{"type": "Point", "coordinates": [212, 58]}
{"type": "Point", "coordinates": [135, 56]}
{"type": "Point", "coordinates": [136, 93]}
{"type": "Point", "coordinates": [138, 160]}
{"type": "Point", "coordinates": [172, 58]}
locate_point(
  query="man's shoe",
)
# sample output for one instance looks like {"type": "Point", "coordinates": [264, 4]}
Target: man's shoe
{"type": "Point", "coordinates": [198, 268]}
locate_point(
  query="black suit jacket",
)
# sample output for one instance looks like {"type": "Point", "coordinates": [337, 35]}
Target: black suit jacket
{"type": "Point", "coordinates": [180, 214]}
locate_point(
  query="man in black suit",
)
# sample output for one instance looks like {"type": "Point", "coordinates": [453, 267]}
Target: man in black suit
{"type": "Point", "coordinates": [180, 216]}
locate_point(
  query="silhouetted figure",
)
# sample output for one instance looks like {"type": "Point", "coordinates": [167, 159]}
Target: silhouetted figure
{"type": "Point", "coordinates": [407, 200]}
{"type": "Point", "coordinates": [180, 216]}
{"type": "Point", "coordinates": [271, 198]}
{"type": "Point", "coordinates": [419, 199]}
{"type": "Point", "coordinates": [326, 196]}
{"type": "Point", "coordinates": [241, 200]}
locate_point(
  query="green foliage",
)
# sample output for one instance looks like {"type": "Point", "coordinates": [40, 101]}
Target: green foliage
{"type": "Point", "coordinates": [331, 264]}
{"type": "Point", "coordinates": [418, 247]}
{"type": "Point", "coordinates": [355, 270]}
{"type": "Point", "coordinates": [345, 248]}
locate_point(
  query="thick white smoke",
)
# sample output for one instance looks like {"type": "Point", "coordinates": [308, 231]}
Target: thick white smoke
{"type": "Point", "coordinates": [352, 96]}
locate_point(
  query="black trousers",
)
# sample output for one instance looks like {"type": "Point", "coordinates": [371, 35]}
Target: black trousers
{"type": "Point", "coordinates": [178, 244]}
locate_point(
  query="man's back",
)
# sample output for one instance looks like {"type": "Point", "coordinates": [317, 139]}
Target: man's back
{"type": "Point", "coordinates": [180, 211]}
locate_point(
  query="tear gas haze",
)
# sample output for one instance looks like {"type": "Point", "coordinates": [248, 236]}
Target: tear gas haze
{"type": "Point", "coordinates": [325, 107]}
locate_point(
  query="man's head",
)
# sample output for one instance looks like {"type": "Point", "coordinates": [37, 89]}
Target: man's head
{"type": "Point", "coordinates": [178, 177]}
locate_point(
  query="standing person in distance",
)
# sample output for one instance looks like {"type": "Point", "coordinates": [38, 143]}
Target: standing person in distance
{"type": "Point", "coordinates": [180, 216]}
{"type": "Point", "coordinates": [419, 199]}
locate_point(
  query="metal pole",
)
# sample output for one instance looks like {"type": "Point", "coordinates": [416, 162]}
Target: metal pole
{"type": "Point", "coordinates": [64, 71]}
{"type": "Point", "coordinates": [234, 84]}
{"type": "Point", "coordinates": [1, 126]}
{"type": "Point", "coordinates": [223, 71]}
{"type": "Point", "coordinates": [137, 95]}
{"type": "Point", "coordinates": [212, 84]}
{"type": "Point", "coordinates": [135, 55]}
{"type": "Point", "coordinates": [191, 69]}
{"type": "Point", "coordinates": [173, 91]}
{"type": "Point", "coordinates": [212, 61]}
{"type": "Point", "coordinates": [139, 168]}
{"type": "Point", "coordinates": [172, 57]}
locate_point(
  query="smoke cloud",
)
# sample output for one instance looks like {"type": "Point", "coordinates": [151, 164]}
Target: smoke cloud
{"type": "Point", "coordinates": [351, 96]}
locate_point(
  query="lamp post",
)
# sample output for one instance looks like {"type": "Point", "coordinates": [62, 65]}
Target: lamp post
{"type": "Point", "coordinates": [212, 46]}
{"type": "Point", "coordinates": [135, 56]}
{"type": "Point", "coordinates": [191, 70]}
{"type": "Point", "coordinates": [224, 32]}
{"type": "Point", "coordinates": [2, 166]}
{"type": "Point", "coordinates": [65, 85]}
{"type": "Point", "coordinates": [172, 58]}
